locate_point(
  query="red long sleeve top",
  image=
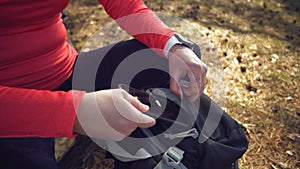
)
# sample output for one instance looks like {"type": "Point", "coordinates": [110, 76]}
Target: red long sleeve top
{"type": "Point", "coordinates": [35, 58]}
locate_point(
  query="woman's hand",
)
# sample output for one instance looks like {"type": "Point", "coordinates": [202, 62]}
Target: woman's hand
{"type": "Point", "coordinates": [111, 115]}
{"type": "Point", "coordinates": [183, 61]}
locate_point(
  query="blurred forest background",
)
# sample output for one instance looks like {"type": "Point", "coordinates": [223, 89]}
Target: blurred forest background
{"type": "Point", "coordinates": [258, 44]}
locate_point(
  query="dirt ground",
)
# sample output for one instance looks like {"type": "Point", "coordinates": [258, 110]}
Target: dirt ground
{"type": "Point", "coordinates": [258, 44]}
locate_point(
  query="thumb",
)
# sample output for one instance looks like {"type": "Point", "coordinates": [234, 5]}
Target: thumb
{"type": "Point", "coordinates": [144, 121]}
{"type": "Point", "coordinates": [149, 121]}
{"type": "Point", "coordinates": [137, 104]}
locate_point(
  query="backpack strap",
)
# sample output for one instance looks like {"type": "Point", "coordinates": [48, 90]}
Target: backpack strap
{"type": "Point", "coordinates": [172, 159]}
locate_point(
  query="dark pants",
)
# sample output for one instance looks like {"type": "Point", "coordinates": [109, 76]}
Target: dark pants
{"type": "Point", "coordinates": [38, 153]}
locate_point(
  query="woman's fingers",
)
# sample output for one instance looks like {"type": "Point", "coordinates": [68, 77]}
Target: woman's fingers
{"type": "Point", "coordinates": [136, 115]}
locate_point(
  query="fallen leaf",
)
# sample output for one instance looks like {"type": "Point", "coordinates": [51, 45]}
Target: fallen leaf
{"type": "Point", "coordinates": [253, 47]}
{"type": "Point", "coordinates": [267, 45]}
{"type": "Point", "coordinates": [290, 153]}
{"type": "Point", "coordinates": [294, 136]}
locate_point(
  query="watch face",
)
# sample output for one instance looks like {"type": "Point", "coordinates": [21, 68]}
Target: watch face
{"type": "Point", "coordinates": [184, 41]}
{"type": "Point", "coordinates": [188, 43]}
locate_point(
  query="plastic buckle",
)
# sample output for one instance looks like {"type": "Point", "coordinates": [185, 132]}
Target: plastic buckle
{"type": "Point", "coordinates": [173, 156]}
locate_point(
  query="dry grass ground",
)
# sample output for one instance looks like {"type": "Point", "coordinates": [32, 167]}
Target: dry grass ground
{"type": "Point", "coordinates": [258, 43]}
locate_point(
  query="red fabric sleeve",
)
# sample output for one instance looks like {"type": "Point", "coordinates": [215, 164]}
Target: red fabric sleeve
{"type": "Point", "coordinates": [139, 21]}
{"type": "Point", "coordinates": [37, 113]}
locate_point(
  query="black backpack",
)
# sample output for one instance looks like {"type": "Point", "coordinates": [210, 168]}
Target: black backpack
{"type": "Point", "coordinates": [186, 135]}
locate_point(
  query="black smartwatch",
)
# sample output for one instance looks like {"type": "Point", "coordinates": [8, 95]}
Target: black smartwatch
{"type": "Point", "coordinates": [188, 43]}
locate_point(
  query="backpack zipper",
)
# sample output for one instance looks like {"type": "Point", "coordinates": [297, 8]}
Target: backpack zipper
{"type": "Point", "coordinates": [190, 133]}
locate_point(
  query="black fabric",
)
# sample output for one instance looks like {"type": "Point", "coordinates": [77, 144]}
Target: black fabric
{"type": "Point", "coordinates": [220, 151]}
{"type": "Point", "coordinates": [27, 153]}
